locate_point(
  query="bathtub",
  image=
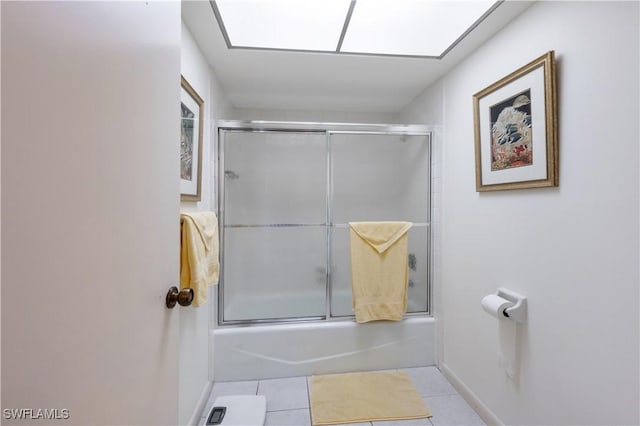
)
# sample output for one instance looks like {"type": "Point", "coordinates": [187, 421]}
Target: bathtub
{"type": "Point", "coordinates": [302, 349]}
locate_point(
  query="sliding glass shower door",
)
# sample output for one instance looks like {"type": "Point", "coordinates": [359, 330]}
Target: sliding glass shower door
{"type": "Point", "coordinates": [379, 177]}
{"type": "Point", "coordinates": [286, 198]}
{"type": "Point", "coordinates": [275, 186]}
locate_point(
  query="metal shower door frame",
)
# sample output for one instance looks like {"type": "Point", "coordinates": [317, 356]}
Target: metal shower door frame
{"type": "Point", "coordinates": [328, 129]}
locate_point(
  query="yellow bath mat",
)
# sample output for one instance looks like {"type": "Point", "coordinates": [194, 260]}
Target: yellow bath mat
{"type": "Point", "coordinates": [365, 397]}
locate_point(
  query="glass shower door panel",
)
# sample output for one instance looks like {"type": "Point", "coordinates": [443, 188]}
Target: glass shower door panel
{"type": "Point", "coordinates": [380, 177]}
{"type": "Point", "coordinates": [418, 261]}
{"type": "Point", "coordinates": [274, 272]}
{"type": "Point", "coordinates": [340, 272]}
{"type": "Point", "coordinates": [275, 178]}
{"type": "Point", "coordinates": [418, 255]}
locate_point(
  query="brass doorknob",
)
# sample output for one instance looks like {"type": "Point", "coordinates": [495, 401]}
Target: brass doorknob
{"type": "Point", "coordinates": [182, 297]}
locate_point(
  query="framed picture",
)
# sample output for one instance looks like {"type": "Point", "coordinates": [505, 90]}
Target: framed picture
{"type": "Point", "coordinates": [191, 122]}
{"type": "Point", "coordinates": [516, 126]}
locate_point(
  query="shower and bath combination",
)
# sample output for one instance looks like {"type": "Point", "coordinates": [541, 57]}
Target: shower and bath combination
{"type": "Point", "coordinates": [286, 194]}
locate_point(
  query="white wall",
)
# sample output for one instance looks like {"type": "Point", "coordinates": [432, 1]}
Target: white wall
{"type": "Point", "coordinates": [572, 250]}
{"type": "Point", "coordinates": [314, 116]}
{"type": "Point", "coordinates": [195, 322]}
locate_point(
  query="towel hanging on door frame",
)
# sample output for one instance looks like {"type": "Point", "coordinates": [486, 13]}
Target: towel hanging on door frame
{"type": "Point", "coordinates": [379, 270]}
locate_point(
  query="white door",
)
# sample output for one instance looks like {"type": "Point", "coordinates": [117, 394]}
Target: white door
{"type": "Point", "coordinates": [90, 205]}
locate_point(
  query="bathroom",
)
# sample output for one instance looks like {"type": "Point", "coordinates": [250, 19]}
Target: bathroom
{"type": "Point", "coordinates": [572, 250]}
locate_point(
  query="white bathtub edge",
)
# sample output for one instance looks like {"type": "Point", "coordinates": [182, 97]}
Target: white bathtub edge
{"type": "Point", "coordinates": [284, 350]}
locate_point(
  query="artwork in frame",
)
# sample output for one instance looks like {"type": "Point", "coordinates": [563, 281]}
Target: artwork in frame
{"type": "Point", "coordinates": [191, 124]}
{"type": "Point", "coordinates": [516, 125]}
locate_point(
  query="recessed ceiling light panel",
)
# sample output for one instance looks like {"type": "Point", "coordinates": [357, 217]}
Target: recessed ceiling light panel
{"type": "Point", "coordinates": [423, 28]}
{"type": "Point", "coordinates": [284, 24]}
{"type": "Point", "coordinates": [410, 27]}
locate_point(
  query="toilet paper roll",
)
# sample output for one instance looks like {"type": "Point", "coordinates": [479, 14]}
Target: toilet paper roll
{"type": "Point", "coordinates": [495, 305]}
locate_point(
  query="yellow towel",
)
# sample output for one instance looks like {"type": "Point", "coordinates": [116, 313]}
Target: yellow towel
{"type": "Point", "coordinates": [199, 248]}
{"type": "Point", "coordinates": [379, 270]}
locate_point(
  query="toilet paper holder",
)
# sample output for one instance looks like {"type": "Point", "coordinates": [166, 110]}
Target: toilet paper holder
{"type": "Point", "coordinates": [517, 312]}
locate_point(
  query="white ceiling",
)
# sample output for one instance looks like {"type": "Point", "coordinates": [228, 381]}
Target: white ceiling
{"type": "Point", "coordinates": [324, 81]}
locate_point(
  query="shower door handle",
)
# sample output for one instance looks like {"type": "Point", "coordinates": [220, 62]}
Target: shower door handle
{"type": "Point", "coordinates": [321, 275]}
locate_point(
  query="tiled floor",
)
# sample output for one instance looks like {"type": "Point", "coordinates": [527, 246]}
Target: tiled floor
{"type": "Point", "coordinates": [288, 400]}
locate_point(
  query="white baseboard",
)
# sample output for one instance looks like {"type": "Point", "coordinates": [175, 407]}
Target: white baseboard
{"type": "Point", "coordinates": [483, 411]}
{"type": "Point", "coordinates": [198, 412]}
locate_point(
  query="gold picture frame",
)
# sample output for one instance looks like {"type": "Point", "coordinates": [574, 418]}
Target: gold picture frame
{"type": "Point", "coordinates": [191, 133]}
{"type": "Point", "coordinates": [516, 129]}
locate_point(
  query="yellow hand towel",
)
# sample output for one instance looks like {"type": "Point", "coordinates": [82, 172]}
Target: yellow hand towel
{"type": "Point", "coordinates": [199, 248]}
{"type": "Point", "coordinates": [379, 270]}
